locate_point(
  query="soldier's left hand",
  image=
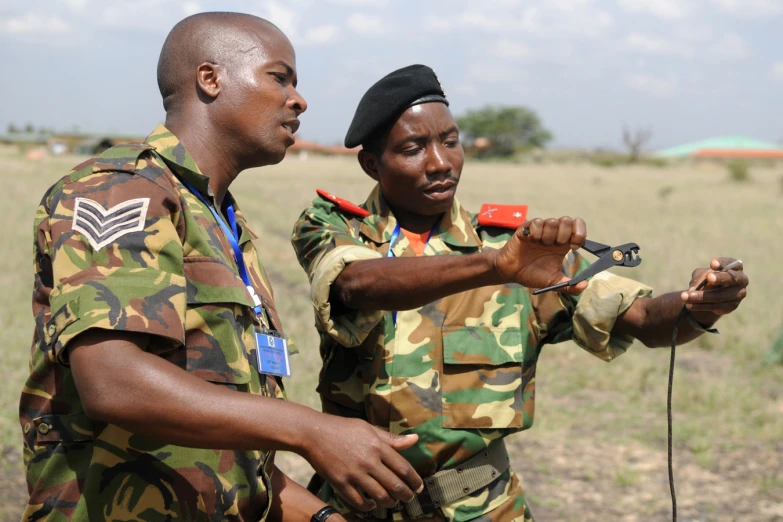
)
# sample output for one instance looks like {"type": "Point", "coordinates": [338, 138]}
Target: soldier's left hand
{"type": "Point", "coordinates": [723, 292]}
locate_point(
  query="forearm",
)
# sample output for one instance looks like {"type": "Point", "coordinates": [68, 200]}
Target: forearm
{"type": "Point", "coordinates": [410, 282]}
{"type": "Point", "coordinates": [293, 503]}
{"type": "Point", "coordinates": [651, 321]}
{"type": "Point", "coordinates": [119, 383]}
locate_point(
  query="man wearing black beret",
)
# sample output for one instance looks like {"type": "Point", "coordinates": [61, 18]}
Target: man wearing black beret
{"type": "Point", "coordinates": [425, 310]}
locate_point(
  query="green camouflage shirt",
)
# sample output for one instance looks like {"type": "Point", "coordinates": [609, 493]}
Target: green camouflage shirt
{"type": "Point", "coordinates": [459, 372]}
{"type": "Point", "coordinates": [121, 244]}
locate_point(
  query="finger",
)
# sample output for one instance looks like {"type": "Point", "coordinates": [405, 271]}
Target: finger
{"type": "Point", "coordinates": [354, 498]}
{"type": "Point", "coordinates": [579, 235]}
{"type": "Point", "coordinates": [396, 463]}
{"type": "Point", "coordinates": [717, 295]}
{"type": "Point", "coordinates": [728, 278]}
{"type": "Point", "coordinates": [396, 441]}
{"type": "Point", "coordinates": [576, 289]}
{"type": "Point", "coordinates": [565, 230]}
{"type": "Point", "coordinates": [394, 486]}
{"type": "Point", "coordinates": [723, 308]}
{"type": "Point", "coordinates": [377, 492]}
{"type": "Point", "coordinates": [550, 232]}
{"type": "Point", "coordinates": [719, 262]}
{"type": "Point", "coordinates": [699, 275]}
{"type": "Point", "coordinates": [536, 228]}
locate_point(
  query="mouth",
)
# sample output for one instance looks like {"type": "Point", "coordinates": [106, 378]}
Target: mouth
{"type": "Point", "coordinates": [441, 187]}
{"type": "Point", "coordinates": [291, 126]}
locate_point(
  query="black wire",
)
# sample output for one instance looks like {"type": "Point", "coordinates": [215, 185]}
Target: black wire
{"type": "Point", "coordinates": [675, 331]}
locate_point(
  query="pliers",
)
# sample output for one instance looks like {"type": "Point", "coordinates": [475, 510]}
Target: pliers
{"type": "Point", "coordinates": [623, 255]}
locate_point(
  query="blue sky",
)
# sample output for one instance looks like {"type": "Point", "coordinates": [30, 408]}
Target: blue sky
{"type": "Point", "coordinates": [687, 69]}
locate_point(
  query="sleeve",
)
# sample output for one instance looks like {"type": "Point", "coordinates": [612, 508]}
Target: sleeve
{"type": "Point", "coordinates": [588, 319]}
{"type": "Point", "coordinates": [117, 260]}
{"type": "Point", "coordinates": [324, 246]}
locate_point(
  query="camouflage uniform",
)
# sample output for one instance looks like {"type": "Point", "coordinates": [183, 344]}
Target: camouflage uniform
{"type": "Point", "coordinates": [152, 259]}
{"type": "Point", "coordinates": [459, 372]}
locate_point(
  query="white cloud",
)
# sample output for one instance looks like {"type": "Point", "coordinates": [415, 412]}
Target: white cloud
{"type": "Point", "coordinates": [76, 5]}
{"type": "Point", "coordinates": [321, 35]}
{"type": "Point", "coordinates": [465, 88]}
{"type": "Point", "coordinates": [730, 47]}
{"type": "Point", "coordinates": [366, 25]}
{"type": "Point", "coordinates": [486, 72]}
{"type": "Point", "coordinates": [667, 9]}
{"type": "Point", "coordinates": [280, 15]}
{"type": "Point", "coordinates": [749, 8]}
{"type": "Point", "coordinates": [190, 8]}
{"type": "Point", "coordinates": [359, 3]}
{"type": "Point", "coordinates": [777, 71]}
{"type": "Point", "coordinates": [512, 50]}
{"type": "Point", "coordinates": [659, 46]}
{"type": "Point", "coordinates": [654, 85]}
{"type": "Point", "coordinates": [34, 24]}
{"type": "Point", "coordinates": [440, 23]}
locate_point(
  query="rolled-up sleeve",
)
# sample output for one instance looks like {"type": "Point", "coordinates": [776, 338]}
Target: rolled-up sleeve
{"type": "Point", "coordinates": [324, 245]}
{"type": "Point", "coordinates": [606, 297]}
{"type": "Point", "coordinates": [131, 280]}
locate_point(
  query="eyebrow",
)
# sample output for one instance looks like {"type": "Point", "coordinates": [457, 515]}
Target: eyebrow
{"type": "Point", "coordinates": [425, 137]}
{"type": "Point", "coordinates": [288, 70]}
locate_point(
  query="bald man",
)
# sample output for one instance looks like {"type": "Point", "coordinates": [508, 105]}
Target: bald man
{"type": "Point", "coordinates": [155, 376]}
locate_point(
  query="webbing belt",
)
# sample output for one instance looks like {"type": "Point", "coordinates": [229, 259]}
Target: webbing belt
{"type": "Point", "coordinates": [449, 485]}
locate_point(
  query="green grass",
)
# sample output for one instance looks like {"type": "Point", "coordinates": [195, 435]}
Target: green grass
{"type": "Point", "coordinates": [724, 400]}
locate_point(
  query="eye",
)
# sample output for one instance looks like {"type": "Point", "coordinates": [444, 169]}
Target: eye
{"type": "Point", "coordinates": [411, 151]}
{"type": "Point", "coordinates": [280, 77]}
{"type": "Point", "coordinates": [451, 143]}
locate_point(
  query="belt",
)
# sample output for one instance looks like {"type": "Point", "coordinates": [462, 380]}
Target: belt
{"type": "Point", "coordinates": [449, 485]}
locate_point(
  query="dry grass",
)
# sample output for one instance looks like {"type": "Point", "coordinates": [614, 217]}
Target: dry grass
{"type": "Point", "coordinates": [597, 451]}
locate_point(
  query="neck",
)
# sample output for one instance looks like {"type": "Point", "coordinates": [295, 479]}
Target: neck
{"type": "Point", "coordinates": [214, 161]}
{"type": "Point", "coordinates": [416, 223]}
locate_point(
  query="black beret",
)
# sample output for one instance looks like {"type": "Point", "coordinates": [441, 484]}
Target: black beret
{"type": "Point", "coordinates": [391, 96]}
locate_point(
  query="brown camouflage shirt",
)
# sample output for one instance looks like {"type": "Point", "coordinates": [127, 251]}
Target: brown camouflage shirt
{"type": "Point", "coordinates": [121, 244]}
{"type": "Point", "coordinates": [460, 371]}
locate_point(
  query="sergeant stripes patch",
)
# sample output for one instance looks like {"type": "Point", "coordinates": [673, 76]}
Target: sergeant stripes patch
{"type": "Point", "coordinates": [103, 226]}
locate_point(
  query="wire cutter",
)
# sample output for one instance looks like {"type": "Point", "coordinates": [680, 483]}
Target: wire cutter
{"type": "Point", "coordinates": [623, 255]}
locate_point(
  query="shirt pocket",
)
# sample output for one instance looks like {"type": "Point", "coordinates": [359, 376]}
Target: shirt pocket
{"type": "Point", "coordinates": [219, 334]}
{"type": "Point", "coordinates": [481, 383]}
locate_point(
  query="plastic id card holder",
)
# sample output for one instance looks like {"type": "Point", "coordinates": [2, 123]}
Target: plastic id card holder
{"type": "Point", "coordinates": [272, 354]}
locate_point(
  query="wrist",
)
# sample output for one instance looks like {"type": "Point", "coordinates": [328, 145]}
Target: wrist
{"type": "Point", "coordinates": [492, 273]}
{"type": "Point", "coordinates": [325, 513]}
{"type": "Point", "coordinates": [705, 319]}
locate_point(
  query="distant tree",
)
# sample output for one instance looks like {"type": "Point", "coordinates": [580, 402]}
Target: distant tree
{"type": "Point", "coordinates": [29, 127]}
{"type": "Point", "coordinates": [636, 141]}
{"type": "Point", "coordinates": [12, 129]}
{"type": "Point", "coordinates": [507, 129]}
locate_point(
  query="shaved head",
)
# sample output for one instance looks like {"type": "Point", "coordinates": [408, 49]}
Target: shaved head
{"type": "Point", "coordinates": [229, 40]}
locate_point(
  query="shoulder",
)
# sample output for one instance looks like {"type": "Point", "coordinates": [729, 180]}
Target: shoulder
{"type": "Point", "coordinates": [330, 210]}
{"type": "Point", "coordinates": [496, 223]}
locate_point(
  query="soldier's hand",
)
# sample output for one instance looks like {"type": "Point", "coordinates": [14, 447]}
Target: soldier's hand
{"type": "Point", "coordinates": [723, 292]}
{"type": "Point", "coordinates": [536, 260]}
{"type": "Point", "coordinates": [362, 464]}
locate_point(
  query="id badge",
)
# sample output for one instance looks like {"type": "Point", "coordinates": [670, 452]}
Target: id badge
{"type": "Point", "coordinates": [272, 352]}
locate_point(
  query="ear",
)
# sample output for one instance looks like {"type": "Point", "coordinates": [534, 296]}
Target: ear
{"type": "Point", "coordinates": [208, 79]}
{"type": "Point", "coordinates": [369, 164]}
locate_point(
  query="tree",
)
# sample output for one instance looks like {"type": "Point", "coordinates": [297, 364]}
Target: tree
{"type": "Point", "coordinates": [508, 129]}
{"type": "Point", "coordinates": [29, 127]}
{"type": "Point", "coordinates": [12, 129]}
{"type": "Point", "coordinates": [636, 141]}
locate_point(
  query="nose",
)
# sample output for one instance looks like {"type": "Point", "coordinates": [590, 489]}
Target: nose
{"type": "Point", "coordinates": [438, 161]}
{"type": "Point", "coordinates": [297, 103]}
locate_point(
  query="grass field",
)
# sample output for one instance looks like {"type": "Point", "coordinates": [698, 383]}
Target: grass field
{"type": "Point", "coordinates": [598, 447]}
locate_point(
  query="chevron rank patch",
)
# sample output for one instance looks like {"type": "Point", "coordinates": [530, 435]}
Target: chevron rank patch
{"type": "Point", "coordinates": [103, 226]}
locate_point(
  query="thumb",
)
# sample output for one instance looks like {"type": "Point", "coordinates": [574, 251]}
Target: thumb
{"type": "Point", "coordinates": [573, 289]}
{"type": "Point", "coordinates": [398, 442]}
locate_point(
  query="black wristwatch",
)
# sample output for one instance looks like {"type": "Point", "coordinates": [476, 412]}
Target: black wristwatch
{"type": "Point", "coordinates": [323, 514]}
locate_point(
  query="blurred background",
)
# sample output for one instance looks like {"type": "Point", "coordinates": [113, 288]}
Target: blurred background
{"type": "Point", "coordinates": [658, 121]}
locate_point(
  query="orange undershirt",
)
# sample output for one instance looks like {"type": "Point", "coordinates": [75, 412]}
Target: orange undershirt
{"type": "Point", "coordinates": [418, 241]}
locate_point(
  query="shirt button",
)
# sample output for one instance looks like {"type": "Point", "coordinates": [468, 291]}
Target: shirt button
{"type": "Point", "coordinates": [27, 428]}
{"type": "Point", "coordinates": [51, 330]}
{"type": "Point", "coordinates": [43, 428]}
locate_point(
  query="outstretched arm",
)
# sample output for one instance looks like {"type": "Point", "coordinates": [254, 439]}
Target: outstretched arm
{"type": "Point", "coordinates": [652, 320]}
{"type": "Point", "coordinates": [534, 261]}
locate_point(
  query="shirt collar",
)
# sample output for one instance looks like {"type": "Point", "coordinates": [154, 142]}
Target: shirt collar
{"type": "Point", "coordinates": [173, 152]}
{"type": "Point", "coordinates": [455, 228]}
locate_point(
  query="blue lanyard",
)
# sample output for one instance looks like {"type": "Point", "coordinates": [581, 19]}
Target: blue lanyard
{"type": "Point", "coordinates": [232, 234]}
{"type": "Point", "coordinates": [390, 253]}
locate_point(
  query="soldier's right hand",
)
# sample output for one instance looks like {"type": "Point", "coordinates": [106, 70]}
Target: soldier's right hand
{"type": "Point", "coordinates": [536, 260]}
{"type": "Point", "coordinates": [357, 458]}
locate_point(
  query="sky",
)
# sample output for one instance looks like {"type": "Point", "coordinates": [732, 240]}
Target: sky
{"type": "Point", "coordinates": [688, 70]}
